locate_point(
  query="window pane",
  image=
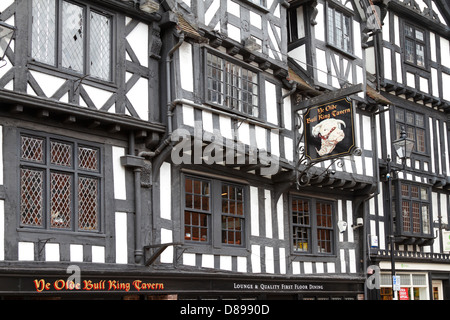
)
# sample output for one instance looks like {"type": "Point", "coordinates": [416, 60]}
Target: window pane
{"type": "Point", "coordinates": [424, 193]}
{"type": "Point", "coordinates": [300, 212]}
{"type": "Point", "coordinates": [195, 226]}
{"type": "Point", "coordinates": [32, 149]}
{"type": "Point", "coordinates": [399, 115]}
{"type": "Point", "coordinates": [420, 55]}
{"type": "Point", "coordinates": [301, 227]}
{"type": "Point", "coordinates": [324, 227]}
{"type": "Point", "coordinates": [405, 190]}
{"type": "Point", "coordinates": [232, 204]}
{"type": "Point", "coordinates": [100, 46]}
{"type": "Point", "coordinates": [324, 218]}
{"type": "Point", "coordinates": [60, 200]}
{"type": "Point", "coordinates": [414, 191]}
{"type": "Point", "coordinates": [88, 203]}
{"type": "Point", "coordinates": [419, 35]}
{"type": "Point", "coordinates": [409, 31]}
{"type": "Point", "coordinates": [416, 217]}
{"type": "Point", "coordinates": [406, 216]}
{"type": "Point", "coordinates": [72, 36]}
{"type": "Point", "coordinates": [301, 239]}
{"type": "Point", "coordinates": [43, 31]}
{"type": "Point", "coordinates": [331, 25]}
{"type": "Point", "coordinates": [324, 241]}
{"type": "Point", "coordinates": [61, 153]}
{"type": "Point", "coordinates": [346, 35]}
{"type": "Point", "coordinates": [31, 197]}
{"type": "Point", "coordinates": [232, 230]}
{"type": "Point", "coordinates": [88, 158]}
{"type": "Point", "coordinates": [420, 137]}
{"type": "Point", "coordinates": [425, 219]}
{"type": "Point", "coordinates": [409, 51]}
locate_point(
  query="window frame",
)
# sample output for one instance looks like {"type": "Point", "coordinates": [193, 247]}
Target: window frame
{"type": "Point", "coordinates": [47, 167]}
{"type": "Point", "coordinates": [215, 214]}
{"type": "Point", "coordinates": [400, 199]}
{"type": "Point", "coordinates": [415, 42]}
{"type": "Point", "coordinates": [398, 123]}
{"type": "Point", "coordinates": [347, 14]}
{"type": "Point", "coordinates": [313, 227]}
{"type": "Point", "coordinates": [241, 65]}
{"type": "Point", "coordinates": [58, 46]}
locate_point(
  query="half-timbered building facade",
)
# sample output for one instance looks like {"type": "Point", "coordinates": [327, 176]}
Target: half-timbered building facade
{"type": "Point", "coordinates": [79, 94]}
{"type": "Point", "coordinates": [411, 70]}
{"type": "Point", "coordinates": [158, 149]}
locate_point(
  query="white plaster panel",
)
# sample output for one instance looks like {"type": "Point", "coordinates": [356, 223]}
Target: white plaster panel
{"type": "Point", "coordinates": [269, 259]}
{"type": "Point", "coordinates": [254, 211]}
{"type": "Point", "coordinates": [26, 251]}
{"type": "Point", "coordinates": [242, 264]}
{"type": "Point", "coordinates": [268, 213]}
{"type": "Point", "coordinates": [49, 84]}
{"type": "Point", "coordinates": [121, 231]}
{"type": "Point", "coordinates": [138, 96]}
{"type": "Point", "coordinates": [98, 254]}
{"type": "Point", "coordinates": [187, 69]}
{"type": "Point", "coordinates": [165, 193]}
{"type": "Point", "coordinates": [138, 40]}
{"type": "Point", "coordinates": [271, 103]}
{"type": "Point", "coordinates": [167, 237]}
{"type": "Point", "coordinates": [256, 258]}
{"type": "Point", "coordinates": [52, 252]}
{"type": "Point", "coordinates": [119, 174]}
{"type": "Point", "coordinates": [76, 253]}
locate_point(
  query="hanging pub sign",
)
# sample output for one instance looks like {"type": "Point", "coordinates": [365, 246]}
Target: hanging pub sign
{"type": "Point", "coordinates": [329, 130]}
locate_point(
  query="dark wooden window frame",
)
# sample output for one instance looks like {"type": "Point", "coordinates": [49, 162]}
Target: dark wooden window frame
{"type": "Point", "coordinates": [238, 64]}
{"type": "Point", "coordinates": [214, 214]}
{"type": "Point", "coordinates": [57, 65]}
{"type": "Point", "coordinates": [48, 167]}
{"type": "Point", "coordinates": [405, 198]}
{"type": "Point", "coordinates": [312, 228]}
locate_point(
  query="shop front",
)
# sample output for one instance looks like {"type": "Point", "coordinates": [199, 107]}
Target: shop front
{"type": "Point", "coordinates": [175, 286]}
{"type": "Point", "coordinates": [416, 281]}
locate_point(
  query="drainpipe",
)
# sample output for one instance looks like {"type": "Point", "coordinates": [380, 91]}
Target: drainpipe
{"type": "Point", "coordinates": [169, 80]}
{"type": "Point", "coordinates": [294, 88]}
{"type": "Point", "coordinates": [137, 162]}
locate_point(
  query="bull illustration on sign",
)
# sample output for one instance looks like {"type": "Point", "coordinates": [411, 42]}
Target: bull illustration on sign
{"type": "Point", "coordinates": [329, 130]}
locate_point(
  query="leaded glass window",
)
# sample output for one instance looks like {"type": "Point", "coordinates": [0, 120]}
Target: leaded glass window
{"type": "Point", "coordinates": [414, 45]}
{"type": "Point", "coordinates": [415, 209]}
{"type": "Point", "coordinates": [339, 29]}
{"type": "Point", "coordinates": [72, 36]}
{"type": "Point", "coordinates": [60, 183]}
